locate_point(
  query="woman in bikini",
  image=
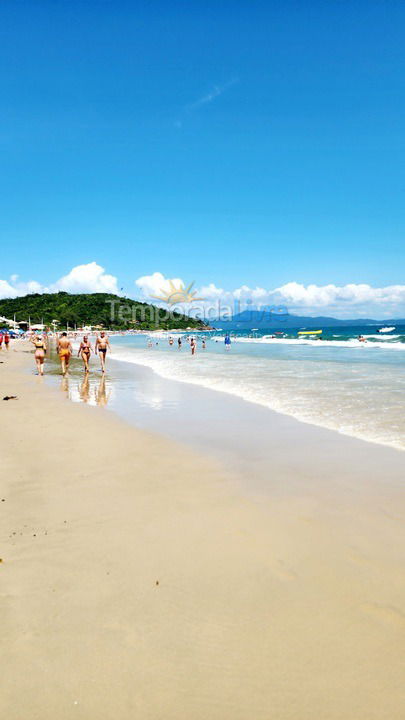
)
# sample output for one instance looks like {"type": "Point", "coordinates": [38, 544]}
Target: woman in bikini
{"type": "Point", "coordinates": [40, 350]}
{"type": "Point", "coordinates": [85, 350]}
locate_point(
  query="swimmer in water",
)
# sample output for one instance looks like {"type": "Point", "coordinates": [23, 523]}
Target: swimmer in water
{"type": "Point", "coordinates": [193, 346]}
{"type": "Point", "coordinates": [179, 343]}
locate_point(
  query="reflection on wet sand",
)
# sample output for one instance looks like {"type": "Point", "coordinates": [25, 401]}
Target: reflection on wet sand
{"type": "Point", "coordinates": [85, 389]}
{"type": "Point", "coordinates": [101, 394]}
{"type": "Point", "coordinates": [64, 383]}
{"type": "Point", "coordinates": [93, 392]}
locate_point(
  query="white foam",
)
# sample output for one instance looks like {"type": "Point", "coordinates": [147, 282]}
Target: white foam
{"type": "Point", "coordinates": [361, 401]}
{"type": "Point", "coordinates": [352, 343]}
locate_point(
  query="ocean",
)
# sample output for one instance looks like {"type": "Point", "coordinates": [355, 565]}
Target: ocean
{"type": "Point", "coordinates": [356, 388]}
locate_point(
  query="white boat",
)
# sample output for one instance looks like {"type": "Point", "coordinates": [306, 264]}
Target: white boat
{"type": "Point", "coordinates": [385, 329]}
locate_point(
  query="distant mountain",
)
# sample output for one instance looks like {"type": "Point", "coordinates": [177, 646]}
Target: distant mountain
{"type": "Point", "coordinates": [261, 319]}
{"type": "Point", "coordinates": [104, 309]}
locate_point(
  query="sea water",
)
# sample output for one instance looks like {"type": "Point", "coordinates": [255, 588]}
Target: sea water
{"type": "Point", "coordinates": [356, 388]}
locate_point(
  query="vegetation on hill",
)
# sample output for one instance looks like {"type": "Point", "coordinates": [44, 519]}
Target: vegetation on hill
{"type": "Point", "coordinates": [104, 309]}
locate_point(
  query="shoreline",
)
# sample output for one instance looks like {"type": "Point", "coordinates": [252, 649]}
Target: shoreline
{"type": "Point", "coordinates": [250, 440]}
{"type": "Point", "coordinates": [304, 401]}
{"type": "Point", "coordinates": [286, 605]}
{"type": "Point", "coordinates": [294, 417]}
{"type": "Point", "coordinates": [139, 367]}
{"type": "Point", "coordinates": [363, 421]}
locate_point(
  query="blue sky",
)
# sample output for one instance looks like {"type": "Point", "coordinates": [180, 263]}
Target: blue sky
{"type": "Point", "coordinates": [230, 143]}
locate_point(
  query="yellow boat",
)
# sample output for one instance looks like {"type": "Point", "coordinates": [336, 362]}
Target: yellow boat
{"type": "Point", "coordinates": [309, 332]}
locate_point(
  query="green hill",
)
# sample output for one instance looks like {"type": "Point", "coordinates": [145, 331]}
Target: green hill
{"type": "Point", "coordinates": [104, 309]}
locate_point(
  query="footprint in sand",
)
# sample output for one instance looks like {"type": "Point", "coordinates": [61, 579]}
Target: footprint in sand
{"type": "Point", "coordinates": [385, 613]}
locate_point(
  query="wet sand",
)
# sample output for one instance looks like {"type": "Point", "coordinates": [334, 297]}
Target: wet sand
{"type": "Point", "coordinates": [142, 578]}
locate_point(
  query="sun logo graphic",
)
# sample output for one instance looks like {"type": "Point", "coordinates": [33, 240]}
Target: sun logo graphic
{"type": "Point", "coordinates": [176, 294]}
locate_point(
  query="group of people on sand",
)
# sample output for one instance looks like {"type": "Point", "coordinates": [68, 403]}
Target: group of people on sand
{"type": "Point", "coordinates": [64, 349]}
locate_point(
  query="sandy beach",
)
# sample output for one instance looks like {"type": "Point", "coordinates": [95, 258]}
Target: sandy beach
{"type": "Point", "coordinates": [139, 580]}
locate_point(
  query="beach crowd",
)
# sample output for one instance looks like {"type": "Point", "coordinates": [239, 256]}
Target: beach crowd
{"type": "Point", "coordinates": [65, 350]}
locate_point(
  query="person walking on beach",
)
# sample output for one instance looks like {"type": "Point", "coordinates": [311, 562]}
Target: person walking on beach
{"type": "Point", "coordinates": [40, 350]}
{"type": "Point", "coordinates": [227, 342]}
{"type": "Point", "coordinates": [64, 348]}
{"type": "Point", "coordinates": [193, 346]}
{"type": "Point", "coordinates": [102, 344]}
{"type": "Point", "coordinates": [1, 340]}
{"type": "Point", "coordinates": [179, 343]}
{"type": "Point", "coordinates": [6, 340]}
{"type": "Point", "coordinates": [85, 350]}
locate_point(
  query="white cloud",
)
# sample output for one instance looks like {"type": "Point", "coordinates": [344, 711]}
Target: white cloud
{"type": "Point", "coordinates": [351, 300]}
{"type": "Point", "coordinates": [7, 290]}
{"type": "Point", "coordinates": [211, 291]}
{"type": "Point", "coordinates": [156, 284]}
{"type": "Point", "coordinates": [357, 296]}
{"type": "Point", "coordinates": [14, 288]}
{"type": "Point", "coordinates": [90, 277]}
{"type": "Point", "coordinates": [216, 91]}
